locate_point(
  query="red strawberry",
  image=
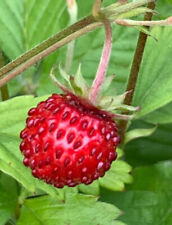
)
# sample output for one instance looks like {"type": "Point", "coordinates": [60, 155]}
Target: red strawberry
{"type": "Point", "coordinates": [67, 141]}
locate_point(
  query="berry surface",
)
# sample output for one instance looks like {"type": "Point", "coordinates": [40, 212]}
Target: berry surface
{"type": "Point", "coordinates": [67, 141]}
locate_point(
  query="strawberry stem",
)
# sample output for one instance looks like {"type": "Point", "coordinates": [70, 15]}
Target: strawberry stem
{"type": "Point", "coordinates": [103, 65]}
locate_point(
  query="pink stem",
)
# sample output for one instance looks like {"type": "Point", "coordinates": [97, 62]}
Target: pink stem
{"type": "Point", "coordinates": [103, 65]}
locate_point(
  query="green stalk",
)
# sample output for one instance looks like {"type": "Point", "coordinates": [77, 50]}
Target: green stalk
{"type": "Point", "coordinates": [135, 70]}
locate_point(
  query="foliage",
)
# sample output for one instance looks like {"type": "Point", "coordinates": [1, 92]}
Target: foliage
{"type": "Point", "coordinates": [147, 201]}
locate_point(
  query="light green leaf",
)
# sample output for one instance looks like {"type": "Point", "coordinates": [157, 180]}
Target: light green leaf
{"type": "Point", "coordinates": [154, 86]}
{"type": "Point", "coordinates": [22, 27]}
{"type": "Point", "coordinates": [76, 210]}
{"type": "Point", "coordinates": [137, 133]}
{"type": "Point", "coordinates": [92, 189]}
{"type": "Point", "coordinates": [118, 175]}
{"type": "Point", "coordinates": [162, 115]}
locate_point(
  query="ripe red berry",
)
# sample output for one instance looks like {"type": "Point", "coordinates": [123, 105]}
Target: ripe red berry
{"type": "Point", "coordinates": [67, 141]}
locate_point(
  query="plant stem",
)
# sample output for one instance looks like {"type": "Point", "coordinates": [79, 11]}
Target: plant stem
{"type": "Point", "coordinates": [103, 65]}
{"type": "Point", "coordinates": [32, 60]}
{"type": "Point", "coordinates": [49, 42]}
{"type": "Point", "coordinates": [96, 7]}
{"type": "Point", "coordinates": [127, 22]}
{"type": "Point", "coordinates": [135, 70]}
{"type": "Point", "coordinates": [4, 89]}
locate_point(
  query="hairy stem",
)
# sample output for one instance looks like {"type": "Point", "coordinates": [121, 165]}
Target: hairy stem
{"type": "Point", "coordinates": [135, 70]}
{"type": "Point", "coordinates": [127, 22]}
{"type": "Point", "coordinates": [82, 24]}
{"type": "Point", "coordinates": [16, 70]}
{"type": "Point", "coordinates": [4, 89]}
{"type": "Point", "coordinates": [101, 72]}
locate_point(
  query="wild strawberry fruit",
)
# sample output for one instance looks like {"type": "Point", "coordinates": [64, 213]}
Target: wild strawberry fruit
{"type": "Point", "coordinates": [72, 138]}
{"type": "Point", "coordinates": [68, 141]}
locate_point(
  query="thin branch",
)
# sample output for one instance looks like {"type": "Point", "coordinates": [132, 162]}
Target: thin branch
{"type": "Point", "coordinates": [101, 72]}
{"type": "Point", "coordinates": [127, 22]}
{"type": "Point", "coordinates": [135, 70]}
{"type": "Point", "coordinates": [96, 7]}
{"type": "Point", "coordinates": [4, 89]}
{"type": "Point", "coordinates": [49, 42]}
{"type": "Point", "coordinates": [46, 52]}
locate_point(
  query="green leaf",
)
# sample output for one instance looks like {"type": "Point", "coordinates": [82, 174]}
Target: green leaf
{"type": "Point", "coordinates": [20, 23]}
{"type": "Point", "coordinates": [92, 189]}
{"type": "Point", "coordinates": [157, 147]}
{"type": "Point", "coordinates": [117, 176]}
{"type": "Point", "coordinates": [137, 133]}
{"type": "Point", "coordinates": [24, 24]}
{"type": "Point", "coordinates": [11, 26]}
{"type": "Point", "coordinates": [13, 114]}
{"type": "Point", "coordinates": [157, 178]}
{"type": "Point", "coordinates": [154, 86]}
{"type": "Point", "coordinates": [149, 199]}
{"type": "Point", "coordinates": [160, 116]}
{"type": "Point", "coordinates": [8, 198]}
{"type": "Point", "coordinates": [76, 210]}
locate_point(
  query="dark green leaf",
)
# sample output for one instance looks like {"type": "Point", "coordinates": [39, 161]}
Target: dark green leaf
{"type": "Point", "coordinates": [8, 198]}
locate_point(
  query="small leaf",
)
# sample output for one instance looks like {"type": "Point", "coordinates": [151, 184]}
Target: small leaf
{"type": "Point", "coordinates": [118, 175]}
{"type": "Point", "coordinates": [77, 209]}
{"type": "Point", "coordinates": [137, 133]}
{"type": "Point", "coordinates": [92, 189]}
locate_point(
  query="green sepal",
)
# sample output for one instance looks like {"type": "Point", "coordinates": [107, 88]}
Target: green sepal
{"type": "Point", "coordinates": [132, 13]}
{"type": "Point", "coordinates": [107, 82]}
{"type": "Point", "coordinates": [66, 78]}
{"type": "Point", "coordinates": [80, 82]}
{"type": "Point", "coordinates": [59, 84]}
{"type": "Point", "coordinates": [146, 30]}
{"type": "Point", "coordinates": [123, 107]}
{"type": "Point", "coordinates": [137, 133]}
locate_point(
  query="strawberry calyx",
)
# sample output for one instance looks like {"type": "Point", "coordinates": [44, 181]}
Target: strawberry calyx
{"type": "Point", "coordinates": [77, 87]}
